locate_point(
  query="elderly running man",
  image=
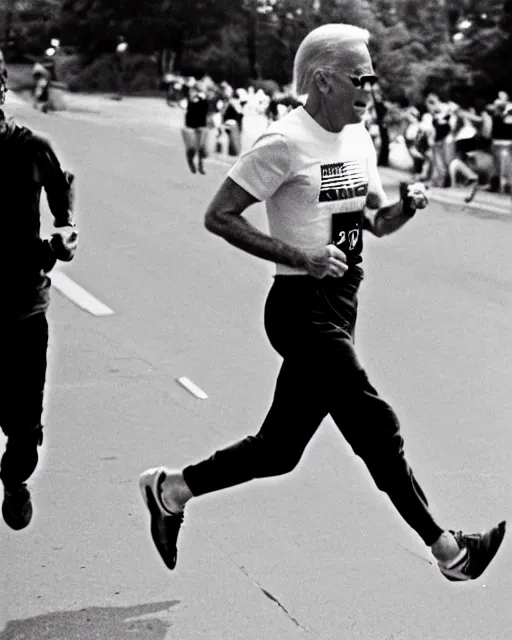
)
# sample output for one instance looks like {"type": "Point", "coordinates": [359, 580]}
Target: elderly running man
{"type": "Point", "coordinates": [316, 170]}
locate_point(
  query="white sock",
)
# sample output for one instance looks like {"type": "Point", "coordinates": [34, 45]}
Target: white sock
{"type": "Point", "coordinates": [172, 509]}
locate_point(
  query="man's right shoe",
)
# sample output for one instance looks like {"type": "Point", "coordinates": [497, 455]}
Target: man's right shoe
{"type": "Point", "coordinates": [165, 526]}
{"type": "Point", "coordinates": [479, 548]}
{"type": "Point", "coordinates": [17, 507]}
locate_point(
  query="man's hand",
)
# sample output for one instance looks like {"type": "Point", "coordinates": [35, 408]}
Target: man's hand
{"type": "Point", "coordinates": [413, 196]}
{"type": "Point", "coordinates": [64, 243]}
{"type": "Point", "coordinates": [329, 261]}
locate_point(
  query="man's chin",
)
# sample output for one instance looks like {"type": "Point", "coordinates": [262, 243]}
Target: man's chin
{"type": "Point", "coordinates": [358, 115]}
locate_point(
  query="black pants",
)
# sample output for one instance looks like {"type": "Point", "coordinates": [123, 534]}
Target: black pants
{"type": "Point", "coordinates": [311, 325]}
{"type": "Point", "coordinates": [23, 347]}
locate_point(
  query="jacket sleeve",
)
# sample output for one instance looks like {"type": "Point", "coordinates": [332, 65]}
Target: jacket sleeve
{"type": "Point", "coordinates": [58, 184]}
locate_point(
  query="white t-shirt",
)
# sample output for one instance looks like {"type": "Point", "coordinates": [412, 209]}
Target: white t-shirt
{"type": "Point", "coordinates": [314, 183]}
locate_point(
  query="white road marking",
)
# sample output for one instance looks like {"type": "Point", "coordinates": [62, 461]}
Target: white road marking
{"type": "Point", "coordinates": [79, 296]}
{"type": "Point", "coordinates": [193, 388]}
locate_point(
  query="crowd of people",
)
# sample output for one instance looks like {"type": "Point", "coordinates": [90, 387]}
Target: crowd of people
{"type": "Point", "coordinates": [218, 111]}
{"type": "Point", "coordinates": [450, 145]}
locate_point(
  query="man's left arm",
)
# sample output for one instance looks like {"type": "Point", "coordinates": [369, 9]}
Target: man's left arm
{"type": "Point", "coordinates": [383, 218]}
{"type": "Point", "coordinates": [380, 216]}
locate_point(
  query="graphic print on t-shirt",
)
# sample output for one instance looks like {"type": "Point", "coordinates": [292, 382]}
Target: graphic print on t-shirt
{"type": "Point", "coordinates": [342, 181]}
{"type": "Point", "coordinates": [347, 234]}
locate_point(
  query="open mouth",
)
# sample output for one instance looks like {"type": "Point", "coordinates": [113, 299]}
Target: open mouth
{"type": "Point", "coordinates": [359, 104]}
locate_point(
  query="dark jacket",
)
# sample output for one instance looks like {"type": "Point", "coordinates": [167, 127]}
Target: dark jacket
{"type": "Point", "coordinates": [27, 165]}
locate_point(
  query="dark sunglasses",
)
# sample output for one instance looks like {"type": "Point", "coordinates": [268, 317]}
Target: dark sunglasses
{"type": "Point", "coordinates": [361, 81]}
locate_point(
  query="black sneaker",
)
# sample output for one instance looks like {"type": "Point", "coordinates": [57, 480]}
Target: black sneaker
{"type": "Point", "coordinates": [165, 525]}
{"type": "Point", "coordinates": [17, 507]}
{"type": "Point", "coordinates": [475, 186]}
{"type": "Point", "coordinates": [190, 161]}
{"type": "Point", "coordinates": [480, 549]}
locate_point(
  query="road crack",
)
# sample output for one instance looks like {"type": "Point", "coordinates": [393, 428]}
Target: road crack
{"type": "Point", "coordinates": [302, 627]}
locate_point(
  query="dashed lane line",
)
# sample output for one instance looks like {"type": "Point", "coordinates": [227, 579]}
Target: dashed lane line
{"type": "Point", "coordinates": [78, 295]}
{"type": "Point", "coordinates": [192, 388]}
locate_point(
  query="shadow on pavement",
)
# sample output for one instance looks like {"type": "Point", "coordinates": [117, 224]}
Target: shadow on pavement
{"type": "Point", "coordinates": [139, 622]}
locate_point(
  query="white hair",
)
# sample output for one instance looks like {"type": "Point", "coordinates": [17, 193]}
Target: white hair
{"type": "Point", "coordinates": [324, 48]}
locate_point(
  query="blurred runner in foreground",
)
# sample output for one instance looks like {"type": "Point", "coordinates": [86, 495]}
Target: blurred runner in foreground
{"type": "Point", "coordinates": [27, 164]}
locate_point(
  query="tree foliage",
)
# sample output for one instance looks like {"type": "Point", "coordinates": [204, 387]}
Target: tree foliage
{"type": "Point", "coordinates": [455, 47]}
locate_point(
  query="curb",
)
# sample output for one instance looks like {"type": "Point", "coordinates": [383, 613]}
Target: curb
{"type": "Point", "coordinates": [501, 204]}
{"type": "Point", "coordinates": [503, 208]}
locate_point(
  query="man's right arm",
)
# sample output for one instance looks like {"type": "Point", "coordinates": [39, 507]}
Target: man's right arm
{"type": "Point", "coordinates": [58, 185]}
{"type": "Point", "coordinates": [224, 218]}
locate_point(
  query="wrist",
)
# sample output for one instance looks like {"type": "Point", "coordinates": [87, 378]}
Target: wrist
{"type": "Point", "coordinates": [299, 259]}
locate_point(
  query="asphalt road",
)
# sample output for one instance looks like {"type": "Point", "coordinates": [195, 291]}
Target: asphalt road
{"type": "Point", "coordinates": [319, 554]}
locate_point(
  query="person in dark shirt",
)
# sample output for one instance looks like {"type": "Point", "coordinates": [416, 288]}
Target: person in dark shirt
{"type": "Point", "coordinates": [28, 164]}
{"type": "Point", "coordinates": [502, 118]}
{"type": "Point", "coordinates": [195, 131]}
{"type": "Point", "coordinates": [233, 118]}
{"type": "Point", "coordinates": [272, 111]}
{"type": "Point", "coordinates": [381, 112]}
{"type": "Point", "coordinates": [41, 90]}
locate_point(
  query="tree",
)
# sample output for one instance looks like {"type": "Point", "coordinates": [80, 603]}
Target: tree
{"type": "Point", "coordinates": [28, 25]}
{"type": "Point", "coordinates": [150, 26]}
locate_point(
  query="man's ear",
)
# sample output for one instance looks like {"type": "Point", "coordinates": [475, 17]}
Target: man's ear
{"type": "Point", "coordinates": [322, 82]}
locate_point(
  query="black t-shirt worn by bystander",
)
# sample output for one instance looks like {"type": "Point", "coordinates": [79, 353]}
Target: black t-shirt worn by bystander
{"type": "Point", "coordinates": [196, 114]}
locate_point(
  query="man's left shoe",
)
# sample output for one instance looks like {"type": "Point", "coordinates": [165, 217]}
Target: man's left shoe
{"type": "Point", "coordinates": [17, 507]}
{"type": "Point", "coordinates": [477, 552]}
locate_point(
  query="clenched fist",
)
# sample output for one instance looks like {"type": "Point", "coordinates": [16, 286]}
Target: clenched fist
{"type": "Point", "coordinates": [64, 243]}
{"type": "Point", "coordinates": [329, 261]}
{"type": "Point", "coordinates": [413, 196]}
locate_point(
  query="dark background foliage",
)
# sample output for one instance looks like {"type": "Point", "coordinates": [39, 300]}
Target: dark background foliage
{"type": "Point", "coordinates": [457, 48]}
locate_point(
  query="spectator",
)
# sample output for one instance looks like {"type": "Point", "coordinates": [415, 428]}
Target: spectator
{"type": "Point", "coordinates": [501, 111]}
{"type": "Point", "coordinates": [41, 90]}
{"type": "Point", "coordinates": [381, 112]}
{"type": "Point", "coordinates": [465, 141]}
{"type": "Point", "coordinates": [233, 120]}
{"type": "Point", "coordinates": [195, 131]}
{"type": "Point", "coordinates": [441, 113]}
{"type": "Point", "coordinates": [415, 140]}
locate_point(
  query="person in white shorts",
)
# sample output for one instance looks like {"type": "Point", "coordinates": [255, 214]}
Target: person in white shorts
{"type": "Point", "coordinates": [316, 170]}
